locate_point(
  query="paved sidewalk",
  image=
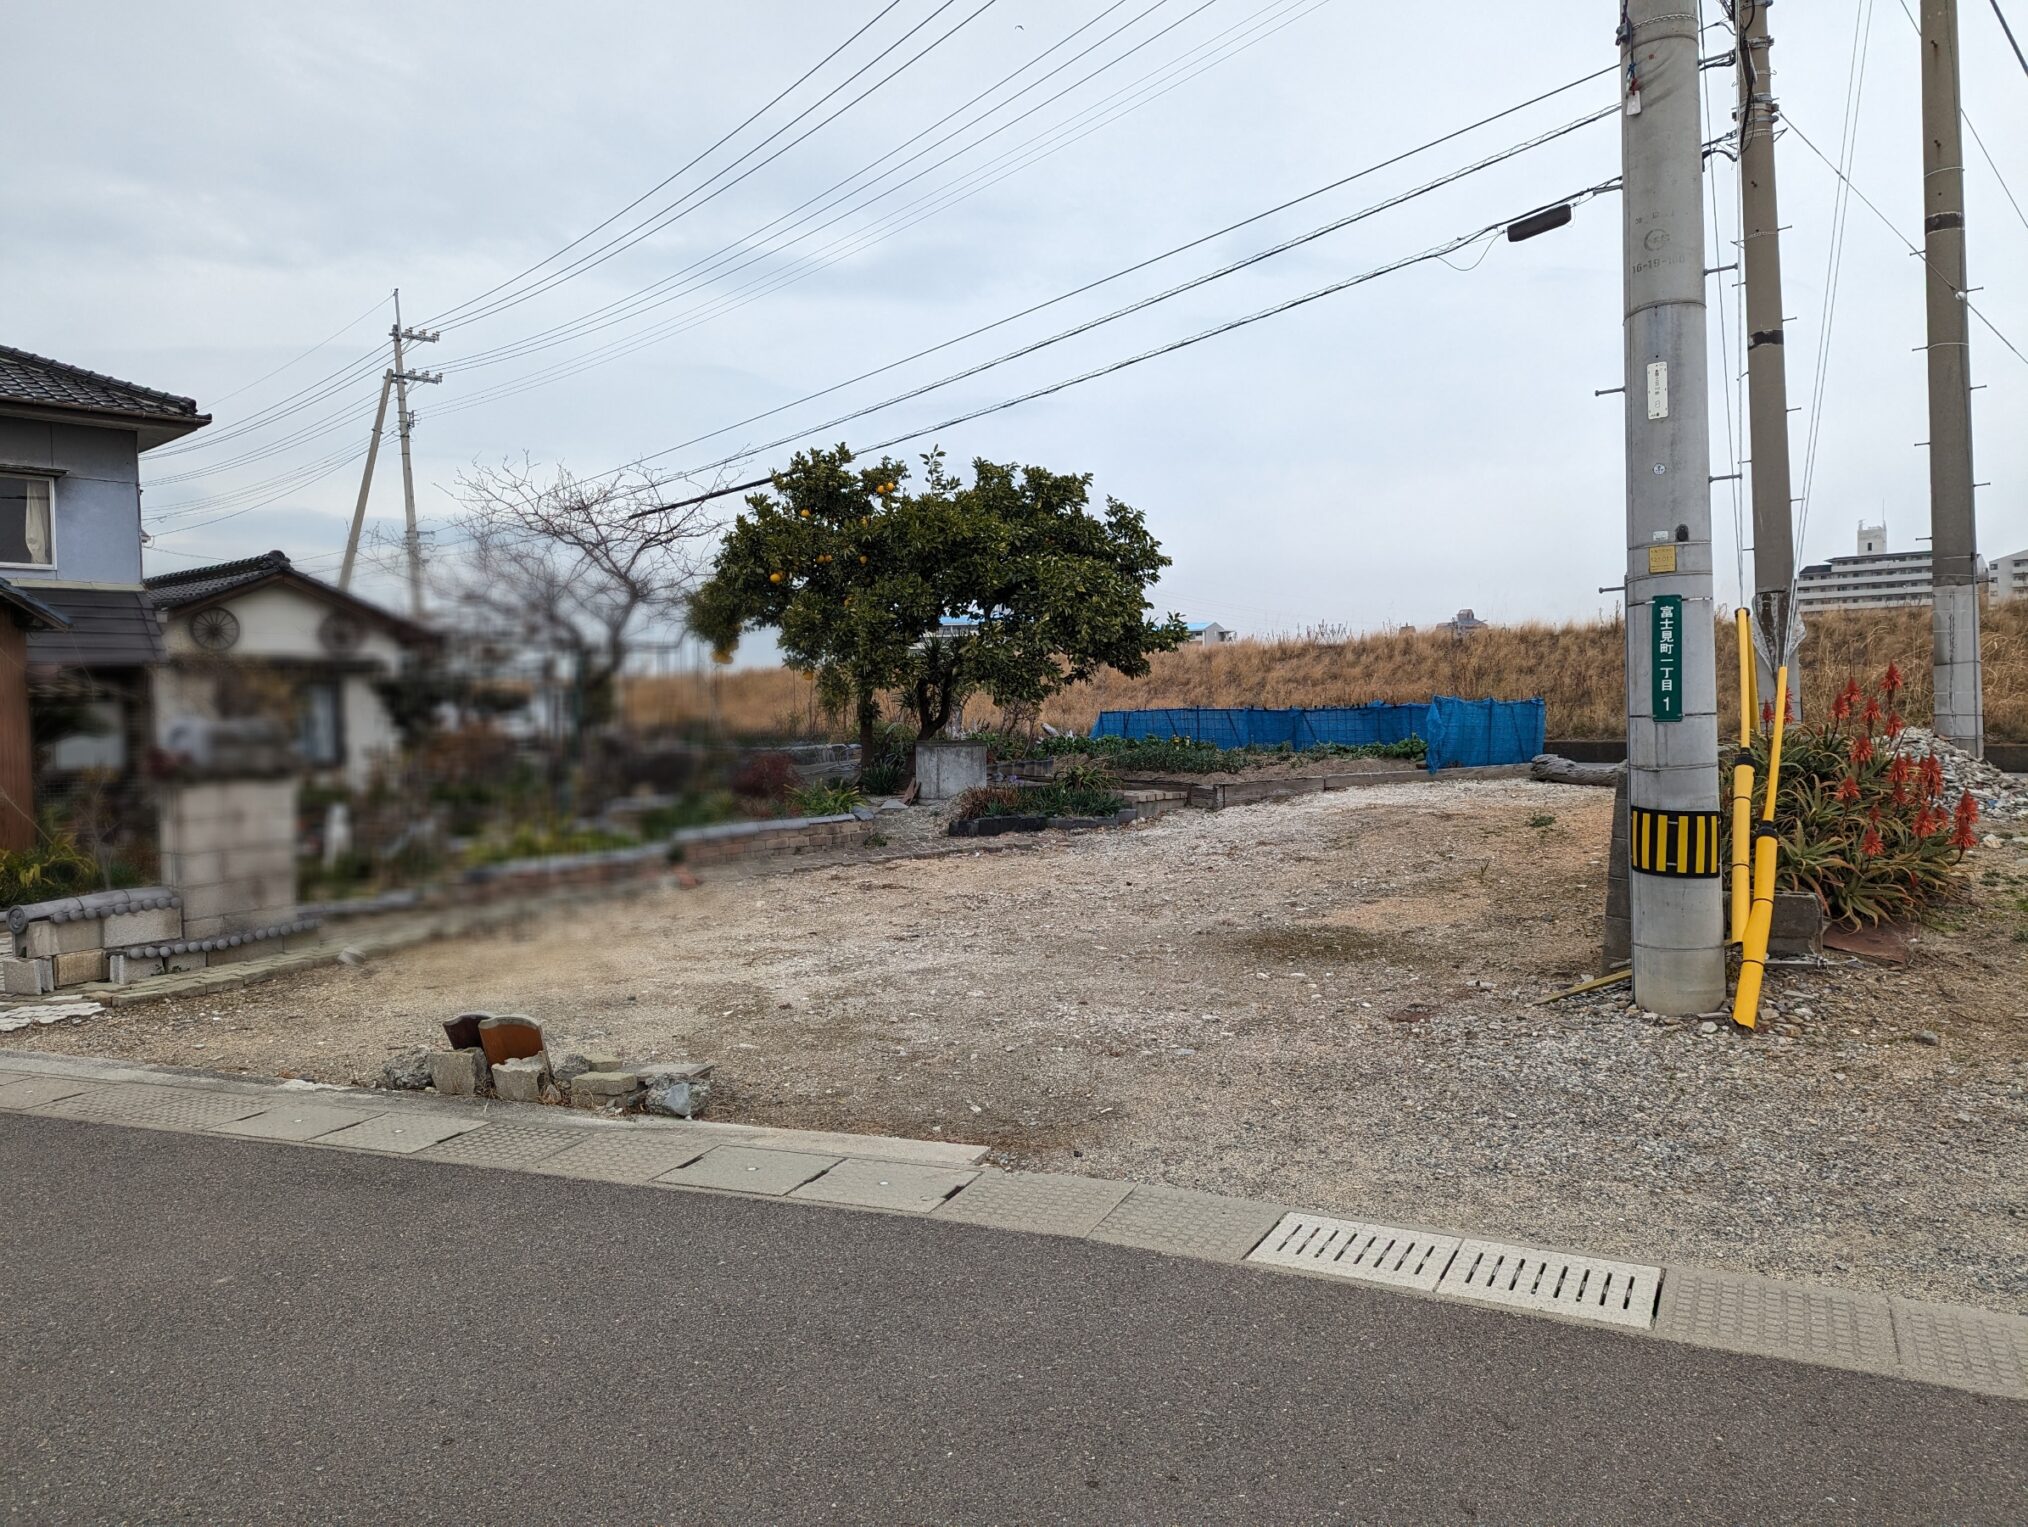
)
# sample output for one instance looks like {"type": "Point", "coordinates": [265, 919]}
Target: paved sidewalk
{"type": "Point", "coordinates": [1982, 1351]}
{"type": "Point", "coordinates": [208, 1328]}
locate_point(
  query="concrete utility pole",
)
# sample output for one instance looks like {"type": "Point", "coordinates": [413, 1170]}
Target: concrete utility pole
{"type": "Point", "coordinates": [365, 482]}
{"type": "Point", "coordinates": [405, 421]}
{"type": "Point", "coordinates": [1953, 521]}
{"type": "Point", "coordinates": [1767, 382]}
{"type": "Point", "coordinates": [1672, 685]}
{"type": "Point", "coordinates": [398, 379]}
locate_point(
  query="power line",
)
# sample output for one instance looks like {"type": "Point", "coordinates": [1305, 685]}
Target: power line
{"type": "Point", "coordinates": [2001, 16]}
{"type": "Point", "coordinates": [1151, 260]}
{"type": "Point", "coordinates": [1788, 118]}
{"type": "Point", "coordinates": [1436, 252]}
{"type": "Point", "coordinates": [1334, 226]}
{"type": "Point", "coordinates": [655, 223]}
{"type": "Point", "coordinates": [378, 304]}
{"type": "Point", "coordinates": [685, 169]}
{"type": "Point", "coordinates": [1966, 116]}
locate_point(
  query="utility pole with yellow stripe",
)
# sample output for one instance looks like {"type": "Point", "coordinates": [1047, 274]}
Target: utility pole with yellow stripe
{"type": "Point", "coordinates": [1674, 890]}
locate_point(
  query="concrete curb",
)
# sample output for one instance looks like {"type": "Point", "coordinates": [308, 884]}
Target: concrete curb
{"type": "Point", "coordinates": [1953, 1346]}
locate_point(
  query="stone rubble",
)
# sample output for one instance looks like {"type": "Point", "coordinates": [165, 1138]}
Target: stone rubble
{"type": "Point", "coordinates": [2002, 797]}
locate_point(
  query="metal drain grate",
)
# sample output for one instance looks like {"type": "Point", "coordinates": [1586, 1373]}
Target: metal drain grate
{"type": "Point", "coordinates": [1343, 1248]}
{"type": "Point", "coordinates": [1583, 1288]}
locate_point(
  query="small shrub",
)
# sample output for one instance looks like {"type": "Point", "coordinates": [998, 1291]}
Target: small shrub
{"type": "Point", "coordinates": [886, 771]}
{"type": "Point", "coordinates": [56, 866]}
{"type": "Point", "coordinates": [826, 798]}
{"type": "Point", "coordinates": [690, 811]}
{"type": "Point", "coordinates": [1179, 755]}
{"type": "Point", "coordinates": [768, 777]}
{"type": "Point", "coordinates": [989, 800]}
{"type": "Point", "coordinates": [1542, 819]}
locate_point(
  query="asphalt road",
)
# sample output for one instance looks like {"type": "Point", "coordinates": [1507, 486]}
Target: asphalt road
{"type": "Point", "coordinates": [228, 1331]}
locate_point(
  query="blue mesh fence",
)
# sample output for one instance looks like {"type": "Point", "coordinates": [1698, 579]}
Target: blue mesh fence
{"type": "Point", "coordinates": [1459, 732]}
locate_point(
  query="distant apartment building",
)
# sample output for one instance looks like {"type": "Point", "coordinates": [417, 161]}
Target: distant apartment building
{"type": "Point", "coordinates": [1874, 579]}
{"type": "Point", "coordinates": [2010, 577]}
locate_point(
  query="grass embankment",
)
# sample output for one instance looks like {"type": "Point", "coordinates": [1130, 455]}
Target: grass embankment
{"type": "Point", "coordinates": [1575, 668]}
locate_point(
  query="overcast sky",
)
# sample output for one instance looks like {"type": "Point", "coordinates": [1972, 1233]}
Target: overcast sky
{"type": "Point", "coordinates": [202, 193]}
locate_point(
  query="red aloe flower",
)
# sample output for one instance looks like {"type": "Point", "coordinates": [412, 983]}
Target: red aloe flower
{"type": "Point", "coordinates": [1901, 793]}
{"type": "Point", "coordinates": [1965, 822]}
{"type": "Point", "coordinates": [1872, 715]}
{"type": "Point", "coordinates": [1901, 771]}
{"type": "Point", "coordinates": [1861, 751]}
{"type": "Point", "coordinates": [1894, 723]}
{"type": "Point", "coordinates": [1841, 707]}
{"type": "Point", "coordinates": [1932, 778]}
{"type": "Point", "coordinates": [1925, 823]}
{"type": "Point", "coordinates": [1871, 844]}
{"type": "Point", "coordinates": [1848, 789]}
{"type": "Point", "coordinates": [1767, 713]}
{"type": "Point", "coordinates": [1891, 682]}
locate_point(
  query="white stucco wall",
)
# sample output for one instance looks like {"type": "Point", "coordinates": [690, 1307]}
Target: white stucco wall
{"type": "Point", "coordinates": [283, 623]}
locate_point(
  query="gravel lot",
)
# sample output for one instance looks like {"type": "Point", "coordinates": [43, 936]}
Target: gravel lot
{"type": "Point", "coordinates": [1324, 1000]}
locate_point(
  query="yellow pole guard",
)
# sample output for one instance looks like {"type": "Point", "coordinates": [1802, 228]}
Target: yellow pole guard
{"type": "Point", "coordinates": [1746, 678]}
{"type": "Point", "coordinates": [1760, 921]}
{"type": "Point", "coordinates": [1753, 957]}
{"type": "Point", "coordinates": [1742, 834]}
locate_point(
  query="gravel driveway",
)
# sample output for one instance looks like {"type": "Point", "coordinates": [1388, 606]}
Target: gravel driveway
{"type": "Point", "coordinates": [1324, 1000]}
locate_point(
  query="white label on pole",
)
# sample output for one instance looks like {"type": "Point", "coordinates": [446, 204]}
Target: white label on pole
{"type": "Point", "coordinates": [1658, 389]}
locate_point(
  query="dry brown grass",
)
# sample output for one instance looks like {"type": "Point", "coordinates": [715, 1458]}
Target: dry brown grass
{"type": "Point", "coordinates": [1576, 668]}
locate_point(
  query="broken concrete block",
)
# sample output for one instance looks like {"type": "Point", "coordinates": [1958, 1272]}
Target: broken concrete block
{"type": "Point", "coordinates": [522, 1081]}
{"type": "Point", "coordinates": [460, 1073]}
{"type": "Point", "coordinates": [78, 967]}
{"type": "Point", "coordinates": [678, 1090]}
{"type": "Point", "coordinates": [571, 1064]}
{"type": "Point", "coordinates": [409, 1071]}
{"type": "Point", "coordinates": [605, 1089]}
{"type": "Point", "coordinates": [26, 978]}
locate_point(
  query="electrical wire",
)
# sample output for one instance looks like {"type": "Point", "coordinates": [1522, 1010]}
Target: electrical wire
{"type": "Point", "coordinates": [1052, 141]}
{"type": "Point", "coordinates": [1834, 259]}
{"type": "Point", "coordinates": [684, 206]}
{"type": "Point", "coordinates": [1435, 252]}
{"type": "Point", "coordinates": [1966, 118]}
{"type": "Point", "coordinates": [1788, 120]}
{"type": "Point", "coordinates": [379, 303]}
{"type": "Point", "coordinates": [1142, 304]}
{"type": "Point", "coordinates": [2001, 16]}
{"type": "Point", "coordinates": [685, 169]}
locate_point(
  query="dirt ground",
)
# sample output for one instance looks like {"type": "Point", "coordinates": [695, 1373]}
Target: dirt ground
{"type": "Point", "coordinates": [1325, 1001]}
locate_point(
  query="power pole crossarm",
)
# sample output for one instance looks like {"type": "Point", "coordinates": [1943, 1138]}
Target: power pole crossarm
{"type": "Point", "coordinates": [1767, 386]}
{"type": "Point", "coordinates": [1953, 524]}
{"type": "Point", "coordinates": [1672, 683]}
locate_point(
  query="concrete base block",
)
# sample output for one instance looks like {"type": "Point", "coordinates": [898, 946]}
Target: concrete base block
{"type": "Point", "coordinates": [605, 1089]}
{"type": "Point", "coordinates": [26, 978]}
{"type": "Point", "coordinates": [161, 926]}
{"type": "Point", "coordinates": [124, 969]}
{"type": "Point", "coordinates": [79, 966]}
{"type": "Point", "coordinates": [460, 1073]}
{"type": "Point", "coordinates": [46, 940]}
{"type": "Point", "coordinates": [948, 769]}
{"type": "Point", "coordinates": [521, 1081]}
{"type": "Point", "coordinates": [571, 1064]}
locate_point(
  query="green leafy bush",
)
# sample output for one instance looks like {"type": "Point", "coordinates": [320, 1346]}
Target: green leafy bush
{"type": "Point", "coordinates": [55, 866]}
{"type": "Point", "coordinates": [826, 798]}
{"type": "Point", "coordinates": [886, 769]}
{"type": "Point", "coordinates": [536, 841]}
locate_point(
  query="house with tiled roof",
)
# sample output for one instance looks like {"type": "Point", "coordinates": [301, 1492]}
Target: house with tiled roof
{"type": "Point", "coordinates": [259, 633]}
{"type": "Point", "coordinates": [71, 441]}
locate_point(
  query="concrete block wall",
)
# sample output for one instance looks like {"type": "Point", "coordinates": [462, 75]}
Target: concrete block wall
{"type": "Point", "coordinates": [229, 848]}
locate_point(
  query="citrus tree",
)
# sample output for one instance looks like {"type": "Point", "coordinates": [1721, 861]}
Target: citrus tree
{"type": "Point", "coordinates": [1009, 585]}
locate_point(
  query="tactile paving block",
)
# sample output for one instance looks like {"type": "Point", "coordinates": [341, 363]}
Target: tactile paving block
{"type": "Point", "coordinates": [1184, 1223]}
{"type": "Point", "coordinates": [151, 1107]}
{"type": "Point", "coordinates": [884, 1185]}
{"type": "Point", "coordinates": [34, 1091]}
{"type": "Point", "coordinates": [510, 1145]}
{"type": "Point", "coordinates": [1343, 1248]}
{"type": "Point", "coordinates": [735, 1169]}
{"type": "Point", "coordinates": [624, 1155]}
{"type": "Point", "coordinates": [1553, 1283]}
{"type": "Point", "coordinates": [1047, 1203]}
{"type": "Point", "coordinates": [303, 1121]}
{"type": "Point", "coordinates": [400, 1134]}
{"type": "Point", "coordinates": [1968, 1349]}
{"type": "Point", "coordinates": [1807, 1323]}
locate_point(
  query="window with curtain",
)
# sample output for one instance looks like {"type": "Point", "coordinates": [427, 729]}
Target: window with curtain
{"type": "Point", "coordinates": [24, 521]}
{"type": "Point", "coordinates": [319, 734]}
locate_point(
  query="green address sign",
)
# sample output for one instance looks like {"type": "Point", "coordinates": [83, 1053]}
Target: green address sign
{"type": "Point", "coordinates": [1665, 633]}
